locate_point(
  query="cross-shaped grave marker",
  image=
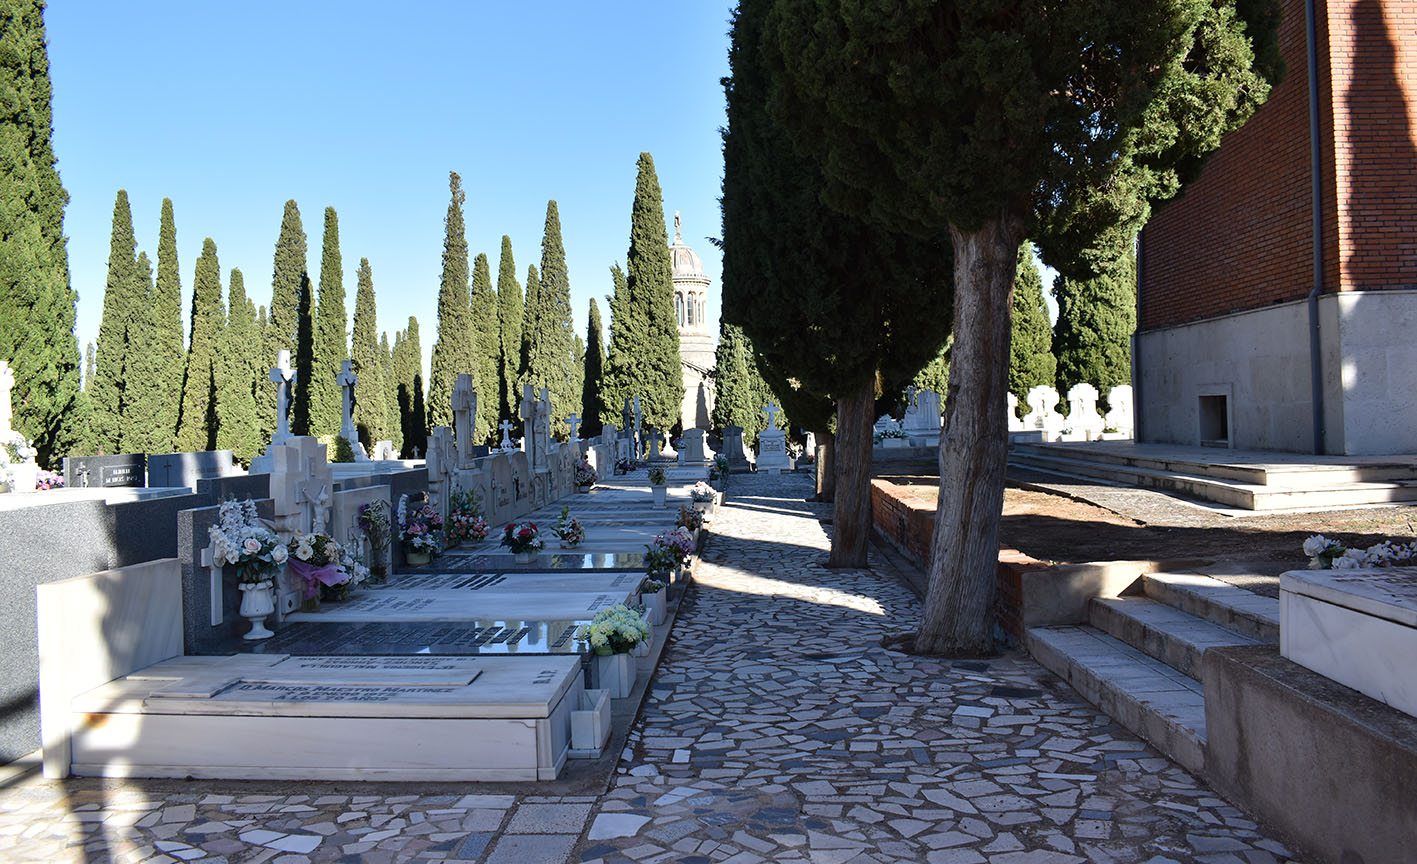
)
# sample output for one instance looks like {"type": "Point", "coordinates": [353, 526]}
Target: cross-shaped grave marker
{"type": "Point", "coordinates": [464, 410]}
{"type": "Point", "coordinates": [772, 411]}
{"type": "Point", "coordinates": [506, 427]}
{"type": "Point", "coordinates": [346, 381]}
{"type": "Point", "coordinates": [284, 378]}
{"type": "Point", "coordinates": [575, 423]}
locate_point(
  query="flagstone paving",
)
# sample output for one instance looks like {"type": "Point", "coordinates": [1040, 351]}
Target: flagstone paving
{"type": "Point", "coordinates": [777, 729]}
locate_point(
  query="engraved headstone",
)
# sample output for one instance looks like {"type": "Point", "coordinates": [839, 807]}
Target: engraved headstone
{"type": "Point", "coordinates": [118, 470]}
{"type": "Point", "coordinates": [1119, 411]}
{"type": "Point", "coordinates": [464, 413]}
{"type": "Point", "coordinates": [734, 450]}
{"type": "Point", "coordinates": [772, 444]}
{"type": "Point", "coordinates": [1042, 400]}
{"type": "Point", "coordinates": [1083, 420]}
{"type": "Point", "coordinates": [695, 450]}
{"type": "Point", "coordinates": [442, 462]}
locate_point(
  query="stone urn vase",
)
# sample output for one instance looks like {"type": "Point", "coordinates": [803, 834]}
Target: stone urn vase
{"type": "Point", "coordinates": [527, 557]}
{"type": "Point", "coordinates": [257, 602]}
{"type": "Point", "coordinates": [615, 673]}
{"type": "Point", "coordinates": [659, 494]}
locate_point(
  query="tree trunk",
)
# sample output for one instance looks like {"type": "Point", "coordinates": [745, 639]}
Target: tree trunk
{"type": "Point", "coordinates": [851, 518]}
{"type": "Point", "coordinates": [826, 466]}
{"type": "Point", "coordinates": [964, 552]}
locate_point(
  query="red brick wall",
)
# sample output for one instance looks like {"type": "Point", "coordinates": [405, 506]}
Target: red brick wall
{"type": "Point", "coordinates": [1239, 236]}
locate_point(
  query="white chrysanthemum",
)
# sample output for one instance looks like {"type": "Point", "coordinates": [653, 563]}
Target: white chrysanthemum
{"type": "Point", "coordinates": [1316, 544]}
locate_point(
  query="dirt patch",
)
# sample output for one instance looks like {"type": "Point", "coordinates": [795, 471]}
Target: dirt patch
{"type": "Point", "coordinates": [1055, 528]}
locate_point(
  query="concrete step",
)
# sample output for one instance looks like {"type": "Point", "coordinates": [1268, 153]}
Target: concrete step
{"type": "Point", "coordinates": [1176, 638]}
{"type": "Point", "coordinates": [1235, 609]}
{"type": "Point", "coordinates": [1252, 467]}
{"type": "Point", "coordinates": [1144, 695]}
{"type": "Point", "coordinates": [1221, 490]}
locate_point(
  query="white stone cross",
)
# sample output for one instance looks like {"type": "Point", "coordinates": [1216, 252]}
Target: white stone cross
{"type": "Point", "coordinates": [772, 411]}
{"type": "Point", "coordinates": [7, 380]}
{"type": "Point", "coordinates": [506, 427]}
{"type": "Point", "coordinates": [346, 379]}
{"type": "Point", "coordinates": [464, 410]}
{"type": "Point", "coordinates": [284, 378]}
{"type": "Point", "coordinates": [575, 423]}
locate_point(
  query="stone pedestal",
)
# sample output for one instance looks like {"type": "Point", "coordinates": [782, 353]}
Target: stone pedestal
{"type": "Point", "coordinates": [772, 451]}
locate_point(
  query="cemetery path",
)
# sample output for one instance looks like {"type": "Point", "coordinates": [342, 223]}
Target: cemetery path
{"type": "Point", "coordinates": [779, 730]}
{"type": "Point", "coordinates": [776, 730]}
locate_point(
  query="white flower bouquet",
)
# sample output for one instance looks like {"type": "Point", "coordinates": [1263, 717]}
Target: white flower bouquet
{"type": "Point", "coordinates": [615, 630]}
{"type": "Point", "coordinates": [1326, 554]}
{"type": "Point", "coordinates": [242, 541]}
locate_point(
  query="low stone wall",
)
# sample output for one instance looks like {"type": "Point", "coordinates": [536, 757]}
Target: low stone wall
{"type": "Point", "coordinates": [1333, 770]}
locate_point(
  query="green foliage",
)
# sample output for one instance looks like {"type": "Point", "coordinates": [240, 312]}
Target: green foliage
{"type": "Point", "coordinates": [107, 393]}
{"type": "Point", "coordinates": [136, 431]}
{"type": "Point", "coordinates": [238, 376]}
{"type": "Point", "coordinates": [36, 302]}
{"type": "Point", "coordinates": [800, 281]}
{"type": "Point", "coordinates": [408, 372]}
{"type": "Point", "coordinates": [393, 423]}
{"type": "Point", "coordinates": [371, 410]}
{"type": "Point", "coordinates": [936, 374]}
{"type": "Point", "coordinates": [509, 328]}
{"type": "Point", "coordinates": [164, 344]}
{"type": "Point", "coordinates": [624, 329]}
{"type": "Point", "coordinates": [1092, 337]}
{"type": "Point", "coordinates": [197, 425]}
{"type": "Point", "coordinates": [592, 408]}
{"type": "Point", "coordinates": [326, 403]}
{"type": "Point", "coordinates": [343, 452]}
{"type": "Point", "coordinates": [548, 335]}
{"type": "Point", "coordinates": [644, 330]}
{"type": "Point", "coordinates": [290, 325]}
{"type": "Point", "coordinates": [741, 391]}
{"type": "Point", "coordinates": [486, 350]}
{"type": "Point", "coordinates": [304, 357]}
{"type": "Point", "coordinates": [1031, 358]}
{"type": "Point", "coordinates": [265, 391]}
{"type": "Point", "coordinates": [452, 352]}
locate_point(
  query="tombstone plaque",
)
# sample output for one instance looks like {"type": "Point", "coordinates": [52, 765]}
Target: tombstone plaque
{"type": "Point", "coordinates": [121, 470]}
{"type": "Point", "coordinates": [734, 451]}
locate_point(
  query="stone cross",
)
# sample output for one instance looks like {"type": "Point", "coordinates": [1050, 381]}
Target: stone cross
{"type": "Point", "coordinates": [346, 381]}
{"type": "Point", "coordinates": [543, 431]}
{"type": "Point", "coordinates": [7, 380]}
{"type": "Point", "coordinates": [284, 378]}
{"type": "Point", "coordinates": [415, 451]}
{"type": "Point", "coordinates": [575, 423]}
{"type": "Point", "coordinates": [772, 411]}
{"type": "Point", "coordinates": [528, 415]}
{"type": "Point", "coordinates": [464, 410]}
{"type": "Point", "coordinates": [441, 465]}
{"type": "Point", "coordinates": [506, 427]}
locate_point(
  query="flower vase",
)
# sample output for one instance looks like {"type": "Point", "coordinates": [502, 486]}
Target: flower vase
{"type": "Point", "coordinates": [659, 493]}
{"type": "Point", "coordinates": [527, 557]}
{"type": "Point", "coordinates": [26, 475]}
{"type": "Point", "coordinates": [417, 557]}
{"type": "Point", "coordinates": [654, 606]}
{"type": "Point", "coordinates": [257, 602]}
{"type": "Point", "coordinates": [614, 672]}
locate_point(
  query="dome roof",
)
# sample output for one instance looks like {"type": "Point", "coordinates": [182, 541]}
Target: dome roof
{"type": "Point", "coordinates": [685, 261]}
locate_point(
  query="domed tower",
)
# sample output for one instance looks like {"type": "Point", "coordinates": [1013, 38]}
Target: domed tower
{"type": "Point", "coordinates": [696, 340]}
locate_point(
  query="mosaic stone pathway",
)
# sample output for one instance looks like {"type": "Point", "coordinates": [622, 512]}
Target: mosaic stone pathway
{"type": "Point", "coordinates": [777, 730]}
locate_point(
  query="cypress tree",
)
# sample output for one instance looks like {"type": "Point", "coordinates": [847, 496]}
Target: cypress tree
{"type": "Point", "coordinates": [289, 325]}
{"type": "Point", "coordinates": [165, 310]}
{"type": "Point", "coordinates": [1092, 337]}
{"type": "Point", "coordinates": [88, 366]}
{"type": "Point", "coordinates": [625, 330]}
{"type": "Point", "coordinates": [265, 391]}
{"type": "Point", "coordinates": [136, 434]}
{"type": "Point", "coordinates": [646, 362]}
{"type": "Point", "coordinates": [36, 302]}
{"type": "Point", "coordinates": [304, 355]}
{"type": "Point", "coordinates": [936, 374]}
{"type": "Point", "coordinates": [237, 428]}
{"type": "Point", "coordinates": [120, 300]}
{"type": "Point", "coordinates": [414, 417]}
{"type": "Point", "coordinates": [509, 326]}
{"type": "Point", "coordinates": [1031, 349]}
{"type": "Point", "coordinates": [592, 409]}
{"type": "Point", "coordinates": [452, 351]}
{"type": "Point", "coordinates": [549, 335]}
{"type": "Point", "coordinates": [393, 427]}
{"type": "Point", "coordinates": [371, 413]}
{"type": "Point", "coordinates": [578, 359]}
{"type": "Point", "coordinates": [197, 424]}
{"type": "Point", "coordinates": [530, 310]}
{"type": "Point", "coordinates": [326, 402]}
{"type": "Point", "coordinates": [486, 350]}
{"type": "Point", "coordinates": [740, 390]}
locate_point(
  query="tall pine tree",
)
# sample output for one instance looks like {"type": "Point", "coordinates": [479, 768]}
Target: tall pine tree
{"type": "Point", "coordinates": [371, 413]}
{"type": "Point", "coordinates": [166, 345]}
{"type": "Point", "coordinates": [237, 428]}
{"type": "Point", "coordinates": [549, 335]}
{"type": "Point", "coordinates": [121, 301]}
{"type": "Point", "coordinates": [509, 325]}
{"type": "Point", "coordinates": [136, 433]}
{"type": "Point", "coordinates": [452, 352]}
{"type": "Point", "coordinates": [591, 407]}
{"type": "Point", "coordinates": [740, 390]}
{"type": "Point", "coordinates": [625, 328]}
{"type": "Point", "coordinates": [197, 425]}
{"type": "Point", "coordinates": [529, 313]}
{"type": "Point", "coordinates": [36, 302]}
{"type": "Point", "coordinates": [1092, 337]}
{"type": "Point", "coordinates": [647, 362]}
{"type": "Point", "coordinates": [486, 350]}
{"type": "Point", "coordinates": [326, 403]}
{"type": "Point", "coordinates": [289, 325]}
{"type": "Point", "coordinates": [1031, 347]}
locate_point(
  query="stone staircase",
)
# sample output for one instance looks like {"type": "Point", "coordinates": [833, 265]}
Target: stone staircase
{"type": "Point", "coordinates": [1139, 658]}
{"type": "Point", "coordinates": [1240, 479]}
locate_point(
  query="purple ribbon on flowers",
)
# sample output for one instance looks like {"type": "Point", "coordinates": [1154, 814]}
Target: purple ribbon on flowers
{"type": "Point", "coordinates": [328, 574]}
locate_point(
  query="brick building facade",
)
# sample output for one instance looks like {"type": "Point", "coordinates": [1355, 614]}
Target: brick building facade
{"type": "Point", "coordinates": [1222, 351]}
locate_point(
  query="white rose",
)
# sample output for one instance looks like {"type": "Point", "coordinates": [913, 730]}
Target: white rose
{"type": "Point", "coordinates": [278, 555]}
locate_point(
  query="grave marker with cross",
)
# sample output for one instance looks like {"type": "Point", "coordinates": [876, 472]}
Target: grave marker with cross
{"type": "Point", "coordinates": [528, 415]}
{"type": "Point", "coordinates": [346, 381]}
{"type": "Point", "coordinates": [506, 427]}
{"type": "Point", "coordinates": [284, 378]}
{"type": "Point", "coordinates": [574, 422]}
{"type": "Point", "coordinates": [464, 411]}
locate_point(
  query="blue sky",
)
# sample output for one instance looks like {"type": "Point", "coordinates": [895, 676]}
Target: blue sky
{"type": "Point", "coordinates": [230, 109]}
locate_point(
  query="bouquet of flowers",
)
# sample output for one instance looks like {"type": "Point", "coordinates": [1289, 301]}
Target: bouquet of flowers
{"type": "Point", "coordinates": [657, 477]}
{"type": "Point", "coordinates": [15, 450]}
{"type": "Point", "coordinates": [374, 522]}
{"type": "Point", "coordinates": [679, 541]}
{"type": "Point", "coordinates": [690, 518]}
{"type": "Point", "coordinates": [242, 541]}
{"type": "Point", "coordinates": [45, 480]}
{"type": "Point", "coordinates": [568, 529]}
{"type": "Point", "coordinates": [319, 561]}
{"type": "Point", "coordinates": [624, 466]}
{"type": "Point", "coordinates": [419, 526]}
{"type": "Point", "coordinates": [1326, 554]}
{"type": "Point", "coordinates": [585, 474]}
{"type": "Point", "coordinates": [702, 492]}
{"type": "Point", "coordinates": [522, 537]}
{"type": "Point", "coordinates": [889, 433]}
{"type": "Point", "coordinates": [651, 586]}
{"type": "Point", "coordinates": [614, 630]}
{"type": "Point", "coordinates": [465, 520]}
